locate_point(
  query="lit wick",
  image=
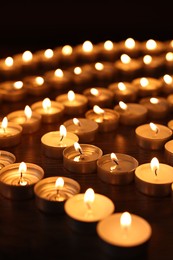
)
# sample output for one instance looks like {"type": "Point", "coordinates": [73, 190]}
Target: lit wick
{"type": "Point", "coordinates": [22, 170]}
{"type": "Point", "coordinates": [4, 124]}
{"type": "Point", "coordinates": [114, 158]}
{"type": "Point", "coordinates": [59, 184]}
{"type": "Point", "coordinates": [28, 112]}
{"type": "Point", "coordinates": [99, 111]}
{"type": "Point", "coordinates": [63, 132]}
{"type": "Point", "coordinates": [89, 197]}
{"type": "Point", "coordinates": [79, 149]}
{"type": "Point", "coordinates": [155, 165]}
{"type": "Point", "coordinates": [154, 128]}
{"type": "Point", "coordinates": [76, 122]}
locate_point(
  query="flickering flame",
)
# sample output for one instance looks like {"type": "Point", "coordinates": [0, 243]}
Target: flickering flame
{"type": "Point", "coordinates": [59, 184]}
{"type": "Point", "coordinates": [27, 56]}
{"type": "Point", "coordinates": [48, 53]}
{"type": "Point", "coordinates": [46, 104]}
{"type": "Point", "coordinates": [71, 95]}
{"type": "Point", "coordinates": [99, 66]}
{"type": "Point", "coordinates": [89, 196]}
{"type": "Point", "coordinates": [169, 56]}
{"type": "Point", "coordinates": [125, 59]}
{"type": "Point", "coordinates": [121, 86]}
{"type": "Point", "coordinates": [151, 44]}
{"type": "Point", "coordinates": [59, 73]}
{"type": "Point", "coordinates": [18, 84]}
{"type": "Point", "coordinates": [154, 100]}
{"type": "Point", "coordinates": [98, 110]}
{"type": "Point", "coordinates": [77, 147]}
{"type": "Point", "coordinates": [76, 121]}
{"type": "Point", "coordinates": [39, 81]}
{"type": "Point", "coordinates": [108, 45]}
{"type": "Point", "coordinates": [9, 61]}
{"type": "Point", "coordinates": [77, 70]}
{"type": "Point", "coordinates": [144, 82]}
{"type": "Point", "coordinates": [130, 43]}
{"type": "Point", "coordinates": [67, 50]}
{"type": "Point", "coordinates": [147, 59]}
{"type": "Point", "coordinates": [114, 157]}
{"type": "Point", "coordinates": [122, 105]}
{"type": "Point", "coordinates": [125, 220]}
{"type": "Point", "coordinates": [154, 164]}
{"type": "Point", "coordinates": [22, 167]}
{"type": "Point", "coordinates": [94, 91]}
{"type": "Point", "coordinates": [168, 79]}
{"type": "Point", "coordinates": [63, 131]}
{"type": "Point", "coordinates": [154, 127]}
{"type": "Point", "coordinates": [4, 123]}
{"type": "Point", "coordinates": [87, 46]}
{"type": "Point", "coordinates": [28, 112]}
{"type": "Point", "coordinates": [22, 170]}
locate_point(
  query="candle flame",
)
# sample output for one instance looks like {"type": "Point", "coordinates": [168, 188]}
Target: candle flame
{"type": "Point", "coordinates": [63, 131]}
{"type": "Point", "coordinates": [4, 123]}
{"type": "Point", "coordinates": [94, 91]}
{"type": "Point", "coordinates": [151, 44]}
{"type": "Point", "coordinates": [99, 66]}
{"type": "Point", "coordinates": [125, 59]}
{"type": "Point", "coordinates": [130, 43]}
{"type": "Point", "coordinates": [27, 56]}
{"type": "Point", "coordinates": [108, 45]}
{"type": "Point", "coordinates": [89, 196]}
{"type": "Point", "coordinates": [9, 61]}
{"type": "Point", "coordinates": [147, 59]}
{"type": "Point", "coordinates": [67, 50]}
{"type": "Point", "coordinates": [154, 164]}
{"type": "Point", "coordinates": [22, 167]}
{"type": "Point", "coordinates": [77, 147]}
{"type": "Point", "coordinates": [154, 127]}
{"type": "Point", "coordinates": [121, 86]}
{"type": "Point", "coordinates": [48, 53]}
{"type": "Point", "coordinates": [122, 105]}
{"type": "Point", "coordinates": [71, 95]}
{"type": "Point", "coordinates": [168, 79]}
{"type": "Point", "coordinates": [144, 82]}
{"type": "Point", "coordinates": [87, 46]}
{"type": "Point", "coordinates": [59, 73]}
{"type": "Point", "coordinates": [76, 121]}
{"type": "Point", "coordinates": [59, 184]}
{"type": "Point", "coordinates": [125, 220]}
{"type": "Point", "coordinates": [77, 70]}
{"type": "Point", "coordinates": [169, 56]}
{"type": "Point", "coordinates": [154, 100]}
{"type": "Point", "coordinates": [28, 112]}
{"type": "Point", "coordinates": [39, 80]}
{"type": "Point", "coordinates": [98, 110]}
{"type": "Point", "coordinates": [46, 104]}
{"type": "Point", "coordinates": [18, 84]}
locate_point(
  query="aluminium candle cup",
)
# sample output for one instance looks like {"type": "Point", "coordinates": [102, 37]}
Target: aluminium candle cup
{"type": "Point", "coordinates": [168, 147]}
{"type": "Point", "coordinates": [12, 135]}
{"type": "Point", "coordinates": [53, 147]}
{"type": "Point", "coordinates": [53, 115]}
{"type": "Point", "coordinates": [121, 174]}
{"type": "Point", "coordinates": [149, 184]}
{"type": "Point", "coordinates": [86, 130]}
{"type": "Point", "coordinates": [130, 243]}
{"type": "Point", "coordinates": [29, 125]}
{"type": "Point", "coordinates": [86, 163]}
{"type": "Point", "coordinates": [107, 122]}
{"type": "Point", "coordinates": [10, 93]}
{"type": "Point", "coordinates": [35, 87]}
{"type": "Point", "coordinates": [58, 83]}
{"type": "Point", "coordinates": [151, 86]}
{"type": "Point", "coordinates": [148, 139]}
{"type": "Point", "coordinates": [46, 196]}
{"type": "Point", "coordinates": [9, 178]}
{"type": "Point", "coordinates": [82, 219]}
{"type": "Point", "coordinates": [6, 158]}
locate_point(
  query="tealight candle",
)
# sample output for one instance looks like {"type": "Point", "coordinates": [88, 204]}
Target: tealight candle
{"type": "Point", "coordinates": [17, 180]}
{"type": "Point", "coordinates": [108, 51]}
{"type": "Point", "coordinates": [12, 90]}
{"type": "Point", "coordinates": [10, 133]}
{"type": "Point", "coordinates": [116, 168]}
{"type": "Point", "coordinates": [54, 142]}
{"type": "Point", "coordinates": [81, 158]}
{"type": "Point", "coordinates": [124, 235]}
{"type": "Point", "coordinates": [85, 129]}
{"type": "Point", "coordinates": [86, 52]}
{"type": "Point", "coordinates": [65, 56]}
{"type": "Point", "coordinates": [102, 97]}
{"type": "Point", "coordinates": [152, 65]}
{"type": "Point", "coordinates": [168, 148]}
{"type": "Point", "coordinates": [46, 59]}
{"type": "Point", "coordinates": [52, 192]}
{"type": "Point", "coordinates": [84, 210]}
{"type": "Point", "coordinates": [83, 76]}
{"type": "Point", "coordinates": [6, 158]}
{"type": "Point", "coordinates": [8, 69]}
{"type": "Point", "coordinates": [35, 85]}
{"type": "Point", "coordinates": [131, 47]}
{"type": "Point", "coordinates": [154, 178]}
{"type": "Point", "coordinates": [124, 91]}
{"type": "Point", "coordinates": [167, 82]}
{"type": "Point", "coordinates": [107, 119]}
{"type": "Point", "coordinates": [168, 61]}
{"type": "Point", "coordinates": [152, 136]}
{"type": "Point", "coordinates": [30, 121]}
{"type": "Point", "coordinates": [51, 111]}
{"type": "Point", "coordinates": [104, 72]}
{"type": "Point", "coordinates": [131, 113]}
{"type": "Point", "coordinates": [158, 107]}
{"type": "Point", "coordinates": [152, 47]}
{"type": "Point", "coordinates": [148, 86]}
{"type": "Point", "coordinates": [74, 103]}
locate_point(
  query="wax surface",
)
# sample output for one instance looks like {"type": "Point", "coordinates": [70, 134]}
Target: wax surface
{"type": "Point", "coordinates": [146, 132]}
{"type": "Point", "coordinates": [53, 139]}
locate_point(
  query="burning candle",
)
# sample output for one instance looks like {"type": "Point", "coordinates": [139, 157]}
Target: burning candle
{"type": "Point", "coordinates": [51, 111]}
{"type": "Point", "coordinates": [148, 86]}
{"type": "Point", "coordinates": [167, 82]}
{"type": "Point", "coordinates": [83, 76]}
{"type": "Point", "coordinates": [154, 178]}
{"type": "Point", "coordinates": [152, 136]}
{"type": "Point", "coordinates": [81, 158]}
{"type": "Point", "coordinates": [107, 119]}
{"type": "Point", "coordinates": [17, 180]}
{"type": "Point", "coordinates": [108, 51]}
{"type": "Point", "coordinates": [8, 69]}
{"type": "Point", "coordinates": [152, 47]}
{"type": "Point", "coordinates": [152, 65]}
{"type": "Point", "coordinates": [46, 59]}
{"type": "Point", "coordinates": [6, 158]}
{"type": "Point", "coordinates": [84, 210]}
{"type": "Point", "coordinates": [26, 61]}
{"type": "Point", "coordinates": [65, 56]}
{"type": "Point", "coordinates": [12, 90]}
{"type": "Point", "coordinates": [104, 72]}
{"type": "Point", "coordinates": [116, 168]}
{"type": "Point", "coordinates": [86, 52]}
{"type": "Point", "coordinates": [54, 142]}
{"type": "Point", "coordinates": [131, 47]}
{"type": "Point", "coordinates": [35, 85]}
{"type": "Point", "coordinates": [52, 192]}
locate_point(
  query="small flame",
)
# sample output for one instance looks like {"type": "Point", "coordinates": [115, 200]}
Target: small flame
{"type": "Point", "coordinates": [154, 100]}
{"type": "Point", "coordinates": [9, 61]}
{"type": "Point", "coordinates": [77, 70]}
{"type": "Point", "coordinates": [46, 104]}
{"type": "Point", "coordinates": [27, 56]}
{"type": "Point", "coordinates": [125, 220]}
{"type": "Point", "coordinates": [144, 82]}
{"type": "Point", "coordinates": [77, 147]}
{"type": "Point", "coordinates": [169, 56]}
{"type": "Point", "coordinates": [130, 43]}
{"type": "Point", "coordinates": [59, 73]}
{"type": "Point", "coordinates": [76, 121]}
{"type": "Point", "coordinates": [28, 112]}
{"type": "Point", "coordinates": [39, 81]}
{"type": "Point", "coordinates": [67, 50]}
{"type": "Point", "coordinates": [48, 53]}
{"type": "Point", "coordinates": [121, 86]}
{"type": "Point", "coordinates": [147, 59]}
{"type": "Point", "coordinates": [22, 167]}
{"type": "Point", "coordinates": [151, 44]}
{"type": "Point", "coordinates": [4, 123]}
{"type": "Point", "coordinates": [94, 91]}
{"type": "Point", "coordinates": [89, 196]}
{"type": "Point", "coordinates": [122, 105]}
{"type": "Point", "coordinates": [154, 164]}
{"type": "Point", "coordinates": [87, 46]}
{"type": "Point", "coordinates": [154, 127]}
{"type": "Point", "coordinates": [63, 131]}
{"type": "Point", "coordinates": [125, 59]}
{"type": "Point", "coordinates": [71, 95]}
{"type": "Point", "coordinates": [99, 66]}
{"type": "Point", "coordinates": [168, 79]}
{"type": "Point", "coordinates": [98, 110]}
{"type": "Point", "coordinates": [108, 45]}
{"type": "Point", "coordinates": [59, 184]}
{"type": "Point", "coordinates": [18, 84]}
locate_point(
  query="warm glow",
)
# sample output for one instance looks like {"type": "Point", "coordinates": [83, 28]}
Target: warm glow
{"type": "Point", "coordinates": [27, 56]}
{"type": "Point", "coordinates": [48, 53]}
{"type": "Point", "coordinates": [154, 165]}
{"type": "Point", "coordinates": [121, 86]}
{"type": "Point", "coordinates": [59, 184]}
{"type": "Point", "coordinates": [18, 84]}
{"type": "Point", "coordinates": [46, 104]}
{"type": "Point", "coordinates": [144, 82]}
{"type": "Point", "coordinates": [153, 127]}
{"type": "Point", "coordinates": [114, 157]}
{"type": "Point", "coordinates": [151, 44]}
{"type": "Point", "coordinates": [169, 56]}
{"type": "Point", "coordinates": [122, 105]}
{"type": "Point", "coordinates": [99, 66]}
{"type": "Point", "coordinates": [130, 43]}
{"type": "Point", "coordinates": [4, 123]}
{"type": "Point", "coordinates": [76, 121]}
{"type": "Point", "coordinates": [67, 50]}
{"type": "Point", "coordinates": [9, 61]}
{"type": "Point", "coordinates": [125, 220]}
{"type": "Point", "coordinates": [108, 45]}
{"type": "Point", "coordinates": [98, 110]}
{"type": "Point", "coordinates": [77, 147]}
{"type": "Point", "coordinates": [94, 91]}
{"type": "Point", "coordinates": [28, 112]}
{"type": "Point", "coordinates": [59, 73]}
{"type": "Point", "coordinates": [89, 196]}
{"type": "Point", "coordinates": [63, 131]}
{"type": "Point", "coordinates": [77, 70]}
{"type": "Point", "coordinates": [39, 81]}
{"type": "Point", "coordinates": [22, 167]}
{"type": "Point", "coordinates": [167, 78]}
{"type": "Point", "coordinates": [125, 59]}
{"type": "Point", "coordinates": [154, 100]}
{"type": "Point", "coordinates": [87, 46]}
{"type": "Point", "coordinates": [71, 95]}
{"type": "Point", "coordinates": [147, 59]}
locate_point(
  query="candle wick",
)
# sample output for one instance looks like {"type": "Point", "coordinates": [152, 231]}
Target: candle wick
{"type": "Point", "coordinates": [88, 206]}
{"type": "Point", "coordinates": [4, 130]}
{"type": "Point", "coordinates": [62, 136]}
{"type": "Point", "coordinates": [155, 171]}
{"type": "Point", "coordinates": [21, 180]}
{"type": "Point", "coordinates": [116, 162]}
{"type": "Point", "coordinates": [157, 130]}
{"type": "Point", "coordinates": [80, 151]}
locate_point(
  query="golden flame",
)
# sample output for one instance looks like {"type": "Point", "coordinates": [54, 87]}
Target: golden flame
{"type": "Point", "coordinates": [9, 61]}
{"type": "Point", "coordinates": [46, 104]}
{"type": "Point", "coordinates": [169, 56]}
{"type": "Point", "coordinates": [125, 59]}
{"type": "Point", "coordinates": [114, 157]}
{"type": "Point", "coordinates": [77, 70]}
{"type": "Point", "coordinates": [108, 45]}
{"type": "Point", "coordinates": [89, 196]}
{"type": "Point", "coordinates": [27, 56]}
{"type": "Point", "coordinates": [125, 220]}
{"type": "Point", "coordinates": [77, 146]}
{"type": "Point", "coordinates": [130, 43]}
{"type": "Point", "coordinates": [76, 121]}
{"type": "Point", "coordinates": [71, 95]}
{"type": "Point", "coordinates": [99, 66]}
{"type": "Point", "coordinates": [144, 82]}
{"type": "Point", "coordinates": [18, 84]}
{"type": "Point", "coordinates": [39, 80]}
{"type": "Point", "coordinates": [28, 112]}
{"type": "Point", "coordinates": [59, 184]}
{"type": "Point", "coordinates": [121, 86]}
{"type": "Point", "coordinates": [151, 44]}
{"type": "Point", "coordinates": [153, 127]}
{"type": "Point", "coordinates": [98, 110]}
{"type": "Point", "coordinates": [4, 123]}
{"type": "Point", "coordinates": [67, 50]}
{"type": "Point", "coordinates": [147, 59]}
{"type": "Point", "coordinates": [22, 167]}
{"type": "Point", "coordinates": [94, 91]}
{"type": "Point", "coordinates": [154, 100]}
{"type": "Point", "coordinates": [59, 73]}
{"type": "Point", "coordinates": [167, 78]}
{"type": "Point", "coordinates": [154, 164]}
{"type": "Point", "coordinates": [48, 53]}
{"type": "Point", "coordinates": [63, 131]}
{"type": "Point", "coordinates": [87, 46]}
{"type": "Point", "coordinates": [122, 105]}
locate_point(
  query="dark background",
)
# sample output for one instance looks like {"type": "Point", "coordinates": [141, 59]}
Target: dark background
{"type": "Point", "coordinates": [37, 24]}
